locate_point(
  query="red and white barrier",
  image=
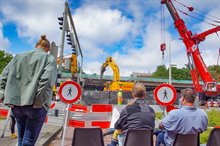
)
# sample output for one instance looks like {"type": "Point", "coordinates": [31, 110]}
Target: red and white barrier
{"type": "Point", "coordinates": [98, 115]}
{"type": "Point", "coordinates": [3, 113]}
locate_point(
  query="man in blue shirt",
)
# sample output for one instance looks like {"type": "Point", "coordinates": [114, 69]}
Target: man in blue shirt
{"type": "Point", "coordinates": [186, 120]}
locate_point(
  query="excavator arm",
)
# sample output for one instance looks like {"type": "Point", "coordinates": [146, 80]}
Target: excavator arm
{"type": "Point", "coordinates": [116, 84]}
{"type": "Point", "coordinates": [110, 62]}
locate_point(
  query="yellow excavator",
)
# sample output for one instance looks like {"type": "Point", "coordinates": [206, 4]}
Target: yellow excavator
{"type": "Point", "coordinates": [116, 84]}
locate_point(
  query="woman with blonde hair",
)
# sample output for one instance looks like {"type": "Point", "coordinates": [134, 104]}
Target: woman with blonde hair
{"type": "Point", "coordinates": [26, 85]}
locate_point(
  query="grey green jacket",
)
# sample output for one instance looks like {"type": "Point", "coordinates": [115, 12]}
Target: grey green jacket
{"type": "Point", "coordinates": [28, 79]}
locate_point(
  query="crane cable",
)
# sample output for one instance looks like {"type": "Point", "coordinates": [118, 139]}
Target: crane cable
{"type": "Point", "coordinates": [196, 18]}
{"type": "Point", "coordinates": [216, 71]}
{"type": "Point", "coordinates": [191, 9]}
{"type": "Point", "coordinates": [163, 45]}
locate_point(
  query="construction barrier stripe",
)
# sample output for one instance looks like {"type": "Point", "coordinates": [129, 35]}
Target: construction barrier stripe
{"type": "Point", "coordinates": [76, 123]}
{"type": "Point", "coordinates": [52, 105]}
{"type": "Point", "coordinates": [101, 108]}
{"type": "Point", "coordinates": [78, 108]}
{"type": "Point", "coordinates": [46, 119]}
{"type": "Point", "coordinates": [95, 108]}
{"type": "Point", "coordinates": [101, 124]}
{"type": "Point", "coordinates": [3, 113]}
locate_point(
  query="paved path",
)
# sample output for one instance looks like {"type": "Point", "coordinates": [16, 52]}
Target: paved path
{"type": "Point", "coordinates": [48, 133]}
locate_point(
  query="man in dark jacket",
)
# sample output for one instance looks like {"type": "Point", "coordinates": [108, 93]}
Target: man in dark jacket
{"type": "Point", "coordinates": [136, 115]}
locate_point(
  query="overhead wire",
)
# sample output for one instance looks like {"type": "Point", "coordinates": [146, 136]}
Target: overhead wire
{"type": "Point", "coordinates": [216, 71]}
{"type": "Point", "coordinates": [191, 9]}
{"type": "Point", "coordinates": [162, 46]}
{"type": "Point", "coordinates": [196, 18]}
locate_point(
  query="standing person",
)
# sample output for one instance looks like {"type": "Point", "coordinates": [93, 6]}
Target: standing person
{"type": "Point", "coordinates": [186, 120]}
{"type": "Point", "coordinates": [26, 84]}
{"type": "Point", "coordinates": [136, 115]}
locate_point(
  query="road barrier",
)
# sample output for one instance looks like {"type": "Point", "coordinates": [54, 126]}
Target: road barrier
{"type": "Point", "coordinates": [3, 113]}
{"type": "Point", "coordinates": [97, 115]}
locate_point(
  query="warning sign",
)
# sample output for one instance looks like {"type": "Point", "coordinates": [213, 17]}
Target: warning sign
{"type": "Point", "coordinates": [70, 92]}
{"type": "Point", "coordinates": [165, 94]}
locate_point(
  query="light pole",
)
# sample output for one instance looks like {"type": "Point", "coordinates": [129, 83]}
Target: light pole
{"type": "Point", "coordinates": [170, 71]}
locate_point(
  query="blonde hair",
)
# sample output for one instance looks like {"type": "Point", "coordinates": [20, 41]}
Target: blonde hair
{"type": "Point", "coordinates": [139, 90]}
{"type": "Point", "coordinates": [43, 42]}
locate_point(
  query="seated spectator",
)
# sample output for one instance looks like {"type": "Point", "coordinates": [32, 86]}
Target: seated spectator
{"type": "Point", "coordinates": [186, 120]}
{"type": "Point", "coordinates": [136, 115]}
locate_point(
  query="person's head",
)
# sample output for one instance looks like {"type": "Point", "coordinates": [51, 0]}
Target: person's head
{"type": "Point", "coordinates": [139, 90]}
{"type": "Point", "coordinates": [43, 43]}
{"type": "Point", "coordinates": [188, 96]}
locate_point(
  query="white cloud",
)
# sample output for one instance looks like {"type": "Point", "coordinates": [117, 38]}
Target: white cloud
{"type": "Point", "coordinates": [101, 25]}
{"type": "Point", "coordinates": [4, 42]}
{"type": "Point", "coordinates": [33, 18]}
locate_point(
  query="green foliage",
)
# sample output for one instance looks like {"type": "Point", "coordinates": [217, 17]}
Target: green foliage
{"type": "Point", "coordinates": [214, 118]}
{"type": "Point", "coordinates": [161, 72]}
{"type": "Point", "coordinates": [214, 71]}
{"type": "Point", "coordinates": [177, 73]}
{"type": "Point", "coordinates": [204, 136]}
{"type": "Point", "coordinates": [5, 58]}
{"type": "Point", "coordinates": [182, 73]}
{"type": "Point", "coordinates": [159, 115]}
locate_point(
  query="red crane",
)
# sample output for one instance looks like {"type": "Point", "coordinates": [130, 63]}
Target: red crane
{"type": "Point", "coordinates": [197, 66]}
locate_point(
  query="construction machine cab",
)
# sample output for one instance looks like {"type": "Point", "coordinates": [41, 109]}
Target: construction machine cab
{"type": "Point", "coordinates": [211, 86]}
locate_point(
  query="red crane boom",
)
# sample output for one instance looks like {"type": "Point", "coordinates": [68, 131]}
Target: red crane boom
{"type": "Point", "coordinates": [196, 63]}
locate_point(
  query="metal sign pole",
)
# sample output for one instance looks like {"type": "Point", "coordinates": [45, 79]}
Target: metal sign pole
{"type": "Point", "coordinates": [65, 123]}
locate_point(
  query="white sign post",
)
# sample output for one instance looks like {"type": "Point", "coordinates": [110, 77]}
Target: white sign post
{"type": "Point", "coordinates": [69, 93]}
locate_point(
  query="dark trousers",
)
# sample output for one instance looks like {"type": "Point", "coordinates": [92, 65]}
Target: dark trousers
{"type": "Point", "coordinates": [29, 123]}
{"type": "Point", "coordinates": [12, 126]}
{"type": "Point", "coordinates": [160, 137]}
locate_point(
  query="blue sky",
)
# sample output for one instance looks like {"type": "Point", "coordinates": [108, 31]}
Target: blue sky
{"type": "Point", "coordinates": [127, 30]}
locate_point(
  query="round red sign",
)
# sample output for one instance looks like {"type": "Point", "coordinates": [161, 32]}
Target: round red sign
{"type": "Point", "coordinates": [70, 92]}
{"type": "Point", "coordinates": [165, 94]}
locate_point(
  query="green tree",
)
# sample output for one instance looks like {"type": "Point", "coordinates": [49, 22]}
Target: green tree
{"type": "Point", "coordinates": [214, 71]}
{"type": "Point", "coordinates": [177, 73]}
{"type": "Point", "coordinates": [5, 58]}
{"type": "Point", "coordinates": [181, 73]}
{"type": "Point", "coordinates": [161, 72]}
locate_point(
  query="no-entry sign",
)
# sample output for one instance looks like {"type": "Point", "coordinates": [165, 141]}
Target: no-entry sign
{"type": "Point", "coordinates": [165, 94]}
{"type": "Point", "coordinates": [70, 92]}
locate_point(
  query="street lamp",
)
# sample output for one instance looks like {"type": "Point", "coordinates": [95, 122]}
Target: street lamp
{"type": "Point", "coordinates": [170, 71]}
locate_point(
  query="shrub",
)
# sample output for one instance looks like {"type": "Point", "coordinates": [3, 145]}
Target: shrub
{"type": "Point", "coordinates": [214, 118]}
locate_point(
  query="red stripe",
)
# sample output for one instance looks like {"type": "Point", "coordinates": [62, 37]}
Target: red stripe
{"type": "Point", "coordinates": [75, 123]}
{"type": "Point", "coordinates": [3, 113]}
{"type": "Point", "coordinates": [101, 124]}
{"type": "Point", "coordinates": [101, 108]}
